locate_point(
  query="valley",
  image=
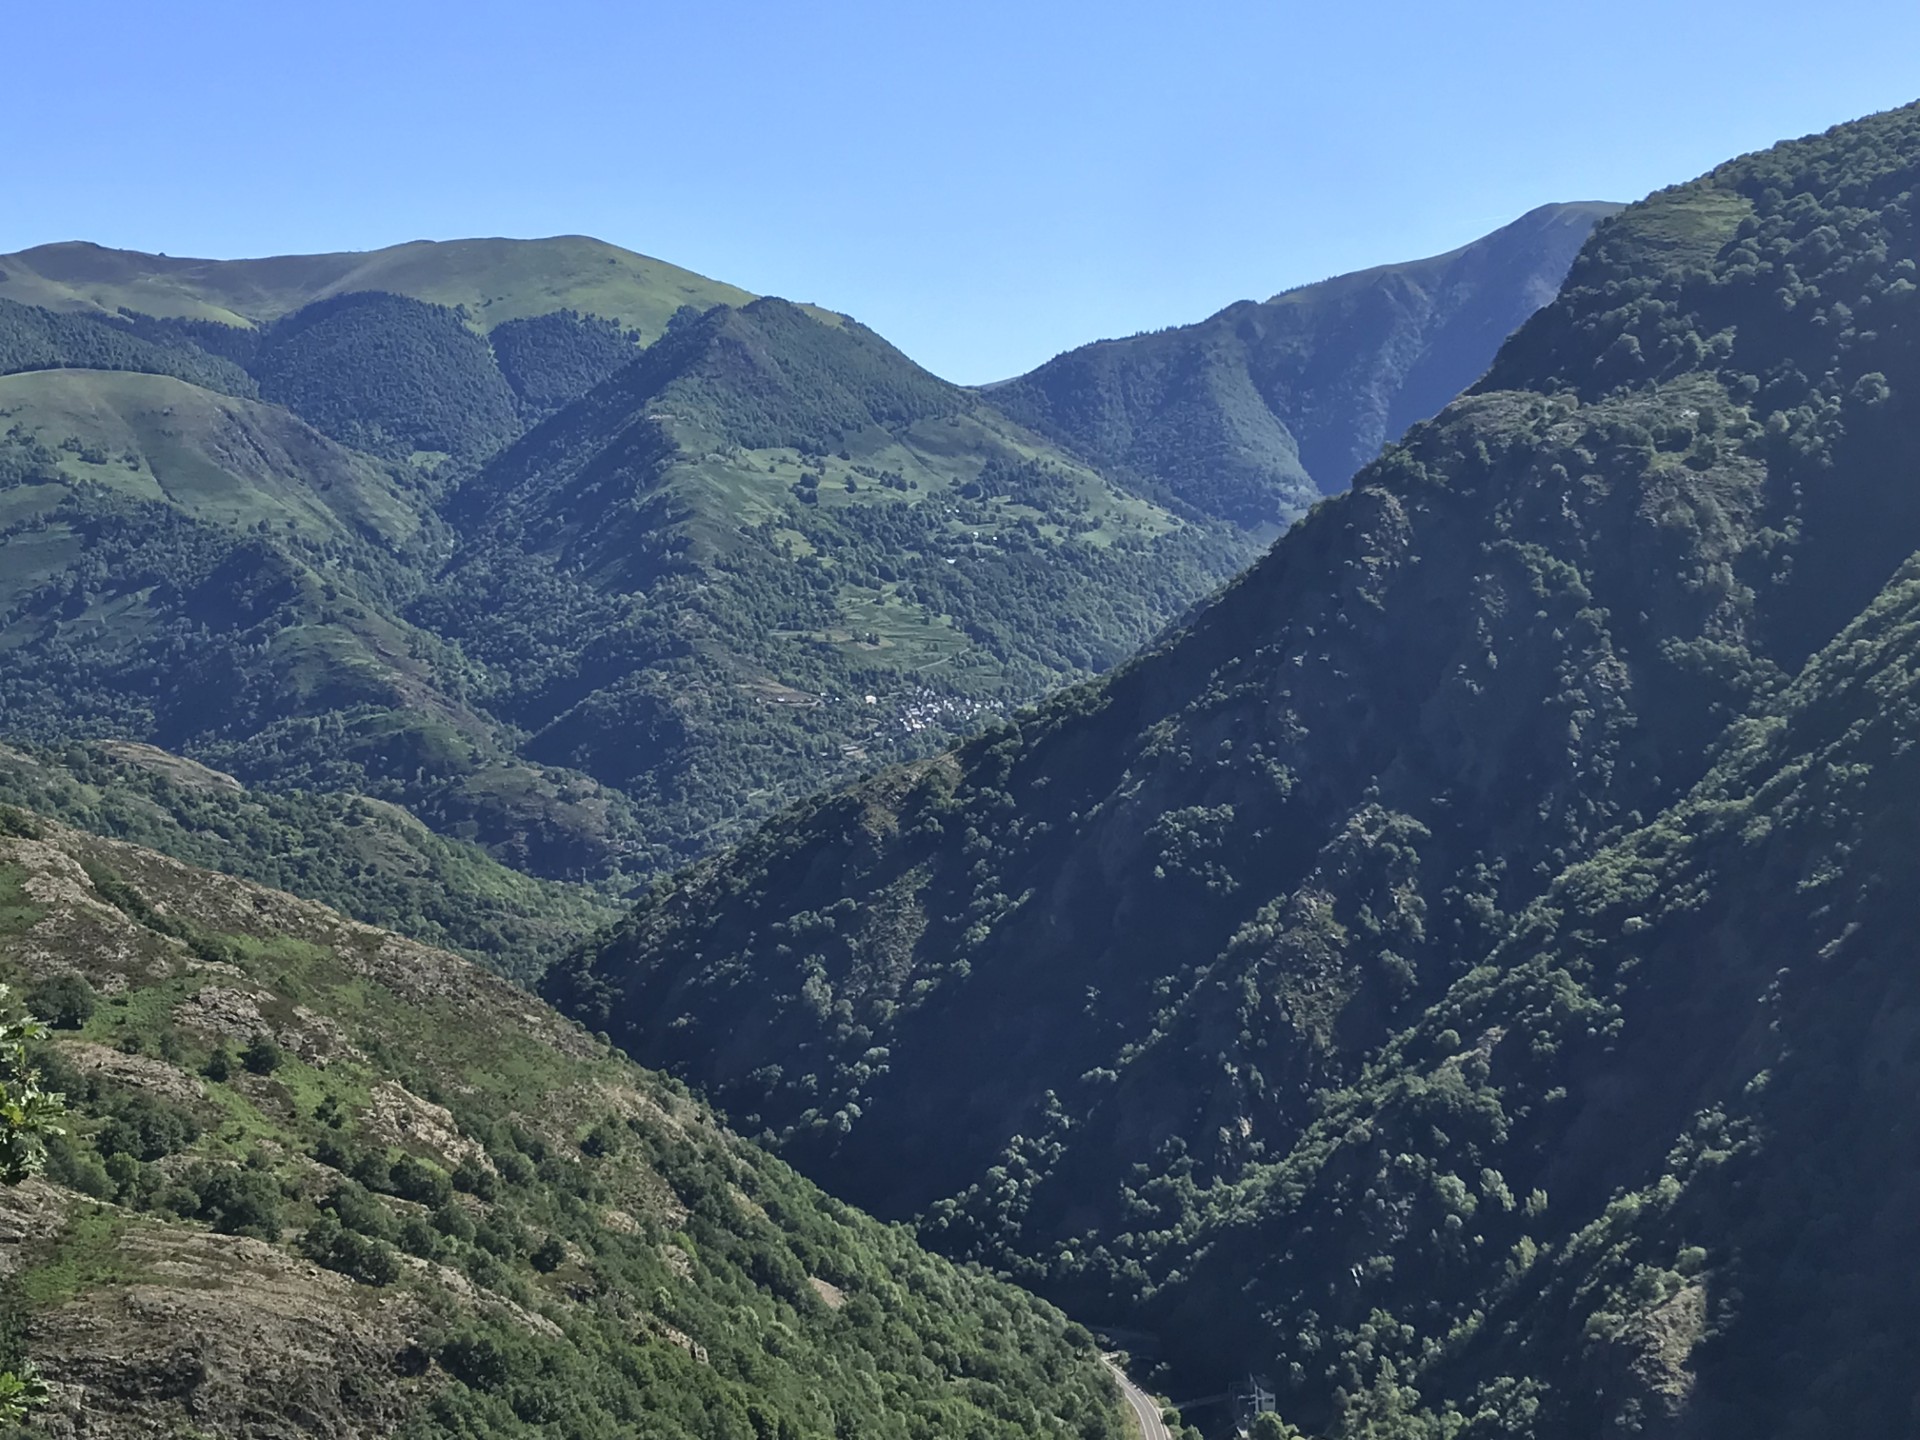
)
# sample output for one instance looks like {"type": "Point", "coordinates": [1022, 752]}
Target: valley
{"type": "Point", "coordinates": [588, 852]}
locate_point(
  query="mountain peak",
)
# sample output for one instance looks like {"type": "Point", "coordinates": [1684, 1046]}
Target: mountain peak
{"type": "Point", "coordinates": [494, 279]}
{"type": "Point", "coordinates": [1264, 406]}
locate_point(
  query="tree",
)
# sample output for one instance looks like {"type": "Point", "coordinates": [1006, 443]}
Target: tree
{"type": "Point", "coordinates": [1271, 1427]}
{"type": "Point", "coordinates": [66, 1002]}
{"type": "Point", "coordinates": [263, 1055]}
{"type": "Point", "coordinates": [27, 1114]}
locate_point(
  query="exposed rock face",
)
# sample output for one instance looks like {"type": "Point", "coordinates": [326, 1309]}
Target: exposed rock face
{"type": "Point", "coordinates": [228, 1335]}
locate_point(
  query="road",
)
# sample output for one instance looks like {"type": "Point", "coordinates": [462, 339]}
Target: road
{"type": "Point", "coordinates": [1145, 1408]}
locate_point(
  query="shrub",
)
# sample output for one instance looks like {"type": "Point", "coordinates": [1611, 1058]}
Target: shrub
{"type": "Point", "coordinates": [263, 1055]}
{"type": "Point", "coordinates": [360, 1257]}
{"type": "Point", "coordinates": [419, 1237]}
{"type": "Point", "coordinates": [475, 1179]}
{"type": "Point", "coordinates": [146, 1128]}
{"type": "Point", "coordinates": [236, 1202]}
{"type": "Point", "coordinates": [65, 1002]}
{"type": "Point", "coordinates": [415, 1180]}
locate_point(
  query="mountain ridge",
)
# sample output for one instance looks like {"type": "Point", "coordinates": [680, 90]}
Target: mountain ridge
{"type": "Point", "coordinates": [1119, 996]}
{"type": "Point", "coordinates": [532, 277]}
{"type": "Point", "coordinates": [1286, 398]}
{"type": "Point", "coordinates": [591, 627]}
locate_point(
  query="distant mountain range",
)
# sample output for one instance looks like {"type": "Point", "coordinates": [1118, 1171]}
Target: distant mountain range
{"type": "Point", "coordinates": [591, 561]}
{"type": "Point", "coordinates": [493, 281]}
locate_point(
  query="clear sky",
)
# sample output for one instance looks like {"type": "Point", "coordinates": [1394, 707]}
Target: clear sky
{"type": "Point", "coordinates": [985, 183]}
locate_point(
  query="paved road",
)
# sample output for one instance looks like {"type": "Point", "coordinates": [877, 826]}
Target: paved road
{"type": "Point", "coordinates": [1145, 1408]}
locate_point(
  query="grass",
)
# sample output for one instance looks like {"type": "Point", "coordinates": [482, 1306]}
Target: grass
{"type": "Point", "coordinates": [18, 912]}
{"type": "Point", "coordinates": [36, 556]}
{"type": "Point", "coordinates": [218, 458]}
{"type": "Point", "coordinates": [141, 1012]}
{"type": "Point", "coordinates": [86, 1256]}
{"type": "Point", "coordinates": [496, 280]}
{"type": "Point", "coordinates": [1685, 226]}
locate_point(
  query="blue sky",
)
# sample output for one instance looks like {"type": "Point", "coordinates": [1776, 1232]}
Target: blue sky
{"type": "Point", "coordinates": [984, 183]}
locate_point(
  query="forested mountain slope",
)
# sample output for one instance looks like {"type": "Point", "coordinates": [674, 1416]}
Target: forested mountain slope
{"type": "Point", "coordinates": [1310, 988]}
{"type": "Point", "coordinates": [213, 576]}
{"type": "Point", "coordinates": [1257, 411]}
{"type": "Point", "coordinates": [317, 1178]}
{"type": "Point", "coordinates": [775, 546]}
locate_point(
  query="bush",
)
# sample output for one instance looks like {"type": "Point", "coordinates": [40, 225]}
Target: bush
{"type": "Point", "coordinates": [236, 1202]}
{"type": "Point", "coordinates": [475, 1179]}
{"type": "Point", "coordinates": [371, 1262]}
{"type": "Point", "coordinates": [478, 1361]}
{"type": "Point", "coordinates": [601, 1141]}
{"type": "Point", "coordinates": [77, 1169]}
{"type": "Point", "coordinates": [415, 1180]}
{"type": "Point", "coordinates": [146, 1129]}
{"type": "Point", "coordinates": [419, 1237]}
{"type": "Point", "coordinates": [453, 1222]}
{"type": "Point", "coordinates": [263, 1055]}
{"type": "Point", "coordinates": [65, 1002]}
{"type": "Point", "coordinates": [359, 1211]}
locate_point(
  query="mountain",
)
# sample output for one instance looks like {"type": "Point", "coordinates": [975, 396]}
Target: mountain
{"type": "Point", "coordinates": [211, 575]}
{"type": "Point", "coordinates": [575, 560]}
{"type": "Point", "coordinates": [775, 546]}
{"type": "Point", "coordinates": [319, 1179]}
{"type": "Point", "coordinates": [1459, 976]}
{"type": "Point", "coordinates": [495, 281]}
{"type": "Point", "coordinates": [1257, 411]}
{"type": "Point", "coordinates": [367, 858]}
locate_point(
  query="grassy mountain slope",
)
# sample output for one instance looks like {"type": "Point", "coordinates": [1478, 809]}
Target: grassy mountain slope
{"type": "Point", "coordinates": [1255, 412]}
{"type": "Point", "coordinates": [215, 457]}
{"type": "Point", "coordinates": [321, 1176]}
{"type": "Point", "coordinates": [1100, 992]}
{"type": "Point", "coordinates": [774, 546]}
{"type": "Point", "coordinates": [368, 858]}
{"type": "Point", "coordinates": [495, 280]}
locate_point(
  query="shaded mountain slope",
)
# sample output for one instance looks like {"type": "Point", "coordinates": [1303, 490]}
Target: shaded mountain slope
{"type": "Point", "coordinates": [1255, 412]}
{"type": "Point", "coordinates": [1642, 1166]}
{"type": "Point", "coordinates": [321, 1177]}
{"type": "Point", "coordinates": [1085, 991]}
